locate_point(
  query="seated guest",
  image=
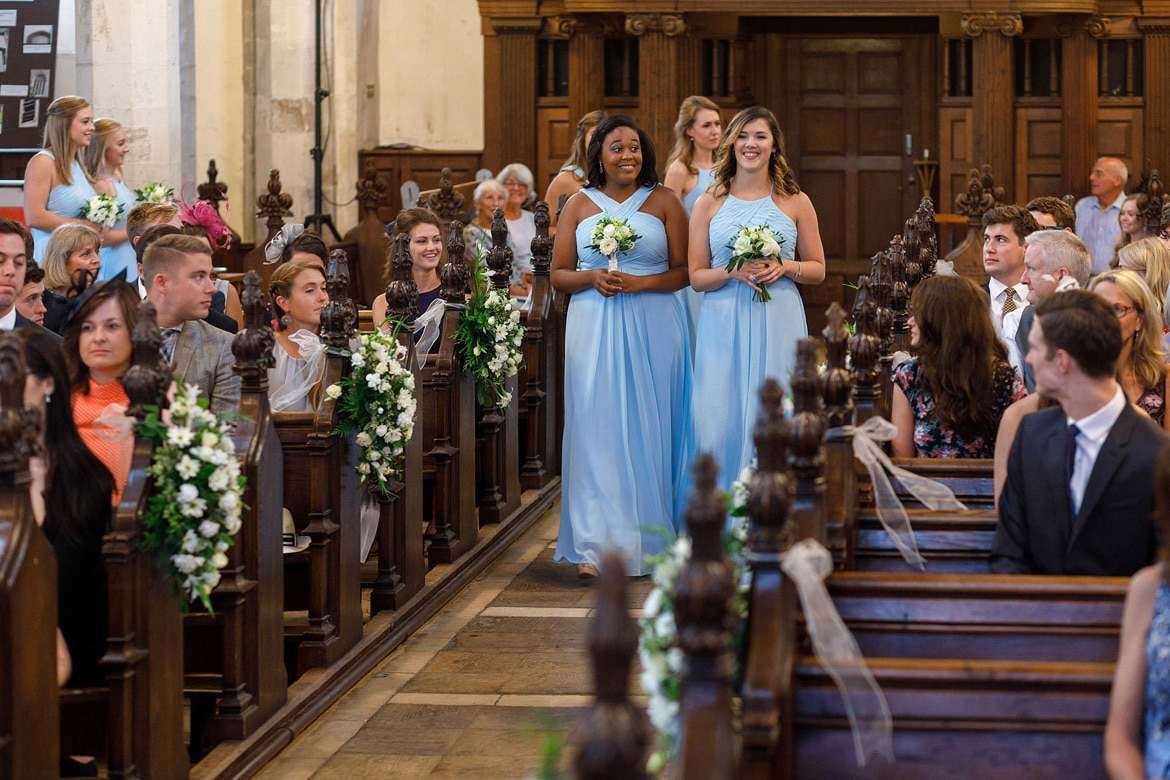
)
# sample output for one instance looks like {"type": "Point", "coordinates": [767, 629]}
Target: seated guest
{"type": "Point", "coordinates": [1137, 732]}
{"type": "Point", "coordinates": [294, 244]}
{"type": "Point", "coordinates": [1052, 213]}
{"type": "Point", "coordinates": [30, 302]}
{"type": "Point", "coordinates": [426, 252]}
{"type": "Point", "coordinates": [177, 270]}
{"type": "Point", "coordinates": [1004, 230]}
{"type": "Point", "coordinates": [489, 196]}
{"type": "Point", "coordinates": [1149, 257]}
{"type": "Point", "coordinates": [947, 401]}
{"type": "Point", "coordinates": [16, 246]}
{"type": "Point", "coordinates": [143, 242]}
{"type": "Point", "coordinates": [200, 218]}
{"type": "Point", "coordinates": [97, 350]}
{"type": "Point", "coordinates": [72, 261]}
{"type": "Point", "coordinates": [1131, 223]}
{"type": "Point", "coordinates": [1141, 366]}
{"type": "Point", "coordinates": [1078, 496]}
{"type": "Point", "coordinates": [140, 219]}
{"type": "Point", "coordinates": [1097, 212]}
{"type": "Point", "coordinates": [517, 180]}
{"type": "Point", "coordinates": [298, 295]}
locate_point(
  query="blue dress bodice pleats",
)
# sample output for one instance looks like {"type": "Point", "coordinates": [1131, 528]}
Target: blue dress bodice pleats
{"type": "Point", "coordinates": [1157, 698]}
{"type": "Point", "coordinates": [119, 256]}
{"type": "Point", "coordinates": [65, 200]}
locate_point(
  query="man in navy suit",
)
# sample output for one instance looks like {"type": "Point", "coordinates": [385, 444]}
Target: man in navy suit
{"type": "Point", "coordinates": [1079, 492]}
{"type": "Point", "coordinates": [16, 246]}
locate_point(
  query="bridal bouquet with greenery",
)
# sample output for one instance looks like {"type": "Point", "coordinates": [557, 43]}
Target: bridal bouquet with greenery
{"type": "Point", "coordinates": [155, 192]}
{"type": "Point", "coordinates": [611, 236]}
{"type": "Point", "coordinates": [102, 210]}
{"type": "Point", "coordinates": [194, 510]}
{"type": "Point", "coordinates": [753, 243]}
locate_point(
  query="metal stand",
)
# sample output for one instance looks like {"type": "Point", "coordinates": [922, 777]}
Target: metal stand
{"type": "Point", "coordinates": [318, 221]}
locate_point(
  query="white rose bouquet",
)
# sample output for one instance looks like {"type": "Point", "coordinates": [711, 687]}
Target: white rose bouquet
{"type": "Point", "coordinates": [155, 192]}
{"type": "Point", "coordinates": [753, 243]}
{"type": "Point", "coordinates": [102, 210]}
{"type": "Point", "coordinates": [658, 654]}
{"type": "Point", "coordinates": [611, 236]}
{"type": "Point", "coordinates": [195, 508]}
{"type": "Point", "coordinates": [377, 400]}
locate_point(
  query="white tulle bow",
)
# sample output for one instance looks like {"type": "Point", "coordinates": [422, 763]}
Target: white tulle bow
{"type": "Point", "coordinates": [807, 563]}
{"type": "Point", "coordinates": [429, 324]}
{"type": "Point", "coordinates": [892, 515]}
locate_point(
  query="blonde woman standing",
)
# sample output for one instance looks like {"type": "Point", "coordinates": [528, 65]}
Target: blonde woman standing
{"type": "Point", "coordinates": [104, 158]}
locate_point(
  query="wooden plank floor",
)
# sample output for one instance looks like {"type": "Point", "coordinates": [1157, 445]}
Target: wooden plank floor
{"type": "Point", "coordinates": [465, 696]}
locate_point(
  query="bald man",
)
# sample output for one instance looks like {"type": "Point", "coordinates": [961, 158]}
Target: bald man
{"type": "Point", "coordinates": [1097, 213]}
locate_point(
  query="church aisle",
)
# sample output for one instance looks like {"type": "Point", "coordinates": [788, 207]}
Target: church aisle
{"type": "Point", "coordinates": [467, 696]}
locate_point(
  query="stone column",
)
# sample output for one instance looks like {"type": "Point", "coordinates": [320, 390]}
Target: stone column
{"type": "Point", "coordinates": [993, 90]}
{"type": "Point", "coordinates": [1156, 34]}
{"type": "Point", "coordinates": [659, 88]}
{"type": "Point", "coordinates": [139, 68]}
{"type": "Point", "coordinates": [510, 120]}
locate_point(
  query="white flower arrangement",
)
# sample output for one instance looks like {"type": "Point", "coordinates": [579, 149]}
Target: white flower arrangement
{"type": "Point", "coordinates": [195, 508]}
{"type": "Point", "coordinates": [102, 210]}
{"type": "Point", "coordinates": [155, 192]}
{"type": "Point", "coordinates": [754, 243]}
{"type": "Point", "coordinates": [658, 653]}
{"type": "Point", "coordinates": [489, 338]}
{"type": "Point", "coordinates": [611, 236]}
{"type": "Point", "coordinates": [377, 400]}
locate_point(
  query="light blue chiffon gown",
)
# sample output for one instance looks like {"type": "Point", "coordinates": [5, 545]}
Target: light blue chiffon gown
{"type": "Point", "coordinates": [119, 256]}
{"type": "Point", "coordinates": [693, 299]}
{"type": "Point", "coordinates": [627, 404]}
{"type": "Point", "coordinates": [742, 342]}
{"type": "Point", "coordinates": [1157, 695]}
{"type": "Point", "coordinates": [65, 200]}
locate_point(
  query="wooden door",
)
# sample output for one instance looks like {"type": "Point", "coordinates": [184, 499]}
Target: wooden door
{"type": "Point", "coordinates": [852, 130]}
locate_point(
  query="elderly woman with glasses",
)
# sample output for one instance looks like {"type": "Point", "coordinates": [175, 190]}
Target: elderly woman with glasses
{"type": "Point", "coordinates": [1141, 367]}
{"type": "Point", "coordinates": [518, 181]}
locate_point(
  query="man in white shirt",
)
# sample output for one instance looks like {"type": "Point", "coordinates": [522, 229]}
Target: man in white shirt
{"type": "Point", "coordinates": [1079, 494]}
{"type": "Point", "coordinates": [1004, 231]}
{"type": "Point", "coordinates": [1097, 213]}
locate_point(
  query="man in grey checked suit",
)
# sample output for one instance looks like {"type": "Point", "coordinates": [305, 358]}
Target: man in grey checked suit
{"type": "Point", "coordinates": [177, 273]}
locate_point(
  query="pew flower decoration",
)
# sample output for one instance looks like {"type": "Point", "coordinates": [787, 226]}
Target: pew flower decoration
{"type": "Point", "coordinates": [195, 508]}
{"type": "Point", "coordinates": [753, 243]}
{"type": "Point", "coordinates": [377, 400]}
{"type": "Point", "coordinates": [611, 236]}
{"type": "Point", "coordinates": [155, 192]}
{"type": "Point", "coordinates": [102, 210]}
{"type": "Point", "coordinates": [489, 338]}
{"type": "Point", "coordinates": [658, 653]}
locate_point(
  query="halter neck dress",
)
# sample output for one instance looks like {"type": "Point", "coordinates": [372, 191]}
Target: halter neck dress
{"type": "Point", "coordinates": [626, 450]}
{"type": "Point", "coordinates": [742, 342]}
{"type": "Point", "coordinates": [1157, 698]}
{"type": "Point", "coordinates": [65, 200]}
{"type": "Point", "coordinates": [693, 299]}
{"type": "Point", "coordinates": [120, 256]}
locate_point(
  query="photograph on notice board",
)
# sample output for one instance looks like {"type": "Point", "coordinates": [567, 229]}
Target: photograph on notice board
{"type": "Point", "coordinates": [38, 83]}
{"type": "Point", "coordinates": [1, 120]}
{"type": "Point", "coordinates": [38, 39]}
{"type": "Point", "coordinates": [30, 112]}
{"type": "Point", "coordinates": [3, 50]}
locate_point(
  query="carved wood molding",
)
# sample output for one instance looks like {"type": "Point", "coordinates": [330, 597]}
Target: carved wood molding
{"type": "Point", "coordinates": [528, 25]}
{"type": "Point", "coordinates": [975, 25]}
{"type": "Point", "coordinates": [1099, 26]}
{"type": "Point", "coordinates": [670, 25]}
{"type": "Point", "coordinates": [1153, 26]}
{"type": "Point", "coordinates": [567, 26]}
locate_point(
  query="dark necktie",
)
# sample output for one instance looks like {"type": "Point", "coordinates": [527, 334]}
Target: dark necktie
{"type": "Point", "coordinates": [1009, 300]}
{"type": "Point", "coordinates": [170, 339]}
{"type": "Point", "coordinates": [1070, 461]}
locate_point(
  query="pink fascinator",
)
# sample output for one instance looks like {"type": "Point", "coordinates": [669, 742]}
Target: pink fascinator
{"type": "Point", "coordinates": [203, 214]}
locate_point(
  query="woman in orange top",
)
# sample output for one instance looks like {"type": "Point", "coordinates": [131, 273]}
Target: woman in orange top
{"type": "Point", "coordinates": [97, 348]}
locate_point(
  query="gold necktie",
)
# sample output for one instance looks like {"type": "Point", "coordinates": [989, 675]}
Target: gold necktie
{"type": "Point", "coordinates": [1009, 300]}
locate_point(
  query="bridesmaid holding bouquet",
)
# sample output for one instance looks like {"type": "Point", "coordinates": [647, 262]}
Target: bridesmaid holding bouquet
{"type": "Point", "coordinates": [746, 234]}
{"type": "Point", "coordinates": [621, 253]}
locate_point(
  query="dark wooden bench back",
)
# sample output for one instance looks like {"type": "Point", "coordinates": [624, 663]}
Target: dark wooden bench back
{"type": "Point", "coordinates": [28, 594]}
{"type": "Point", "coordinates": [539, 379]}
{"type": "Point", "coordinates": [367, 244]}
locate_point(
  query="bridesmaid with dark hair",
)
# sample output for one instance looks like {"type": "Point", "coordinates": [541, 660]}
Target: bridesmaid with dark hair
{"type": "Point", "coordinates": [627, 374]}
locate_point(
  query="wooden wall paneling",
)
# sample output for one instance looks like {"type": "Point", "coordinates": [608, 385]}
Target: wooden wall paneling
{"type": "Point", "coordinates": [1157, 90]}
{"type": "Point", "coordinates": [767, 79]}
{"type": "Point", "coordinates": [956, 154]}
{"type": "Point", "coordinates": [1039, 152]}
{"type": "Point", "coordinates": [493, 108]}
{"type": "Point", "coordinates": [516, 38]}
{"type": "Point", "coordinates": [555, 131]}
{"type": "Point", "coordinates": [394, 166]}
{"type": "Point", "coordinates": [929, 89]}
{"type": "Point", "coordinates": [1079, 106]}
{"type": "Point", "coordinates": [992, 95]}
{"type": "Point", "coordinates": [660, 91]}
{"type": "Point", "coordinates": [1120, 134]}
{"type": "Point", "coordinates": [586, 71]}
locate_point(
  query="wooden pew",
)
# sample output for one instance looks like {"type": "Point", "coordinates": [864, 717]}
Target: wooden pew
{"type": "Point", "coordinates": [323, 493]}
{"type": "Point", "coordinates": [951, 542]}
{"type": "Point", "coordinates": [142, 722]}
{"type": "Point", "coordinates": [29, 745]}
{"type": "Point", "coordinates": [366, 245]}
{"type": "Point", "coordinates": [540, 453]}
{"type": "Point", "coordinates": [235, 673]}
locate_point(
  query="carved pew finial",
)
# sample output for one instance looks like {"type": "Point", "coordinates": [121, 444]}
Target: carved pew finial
{"type": "Point", "coordinates": [837, 386]}
{"type": "Point", "coordinates": [455, 275]}
{"type": "Point", "coordinates": [401, 290]}
{"type": "Point", "coordinates": [371, 191]}
{"type": "Point", "coordinates": [339, 318]}
{"type": "Point", "coordinates": [542, 242]}
{"type": "Point", "coordinates": [211, 190]}
{"type": "Point", "coordinates": [927, 240]}
{"type": "Point", "coordinates": [274, 204]}
{"type": "Point", "coordinates": [807, 443]}
{"type": "Point", "coordinates": [446, 203]}
{"type": "Point", "coordinates": [614, 732]}
{"type": "Point", "coordinates": [768, 490]}
{"type": "Point", "coordinates": [981, 196]}
{"type": "Point", "coordinates": [1153, 210]}
{"type": "Point", "coordinates": [149, 376]}
{"type": "Point", "coordinates": [500, 255]}
{"type": "Point", "coordinates": [865, 349]}
{"type": "Point", "coordinates": [253, 345]}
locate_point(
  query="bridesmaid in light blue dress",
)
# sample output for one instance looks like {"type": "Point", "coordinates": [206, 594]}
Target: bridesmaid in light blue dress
{"type": "Point", "coordinates": [741, 341]}
{"type": "Point", "coordinates": [104, 158]}
{"type": "Point", "coordinates": [688, 172]}
{"type": "Point", "coordinates": [55, 188]}
{"type": "Point", "coordinates": [627, 372]}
